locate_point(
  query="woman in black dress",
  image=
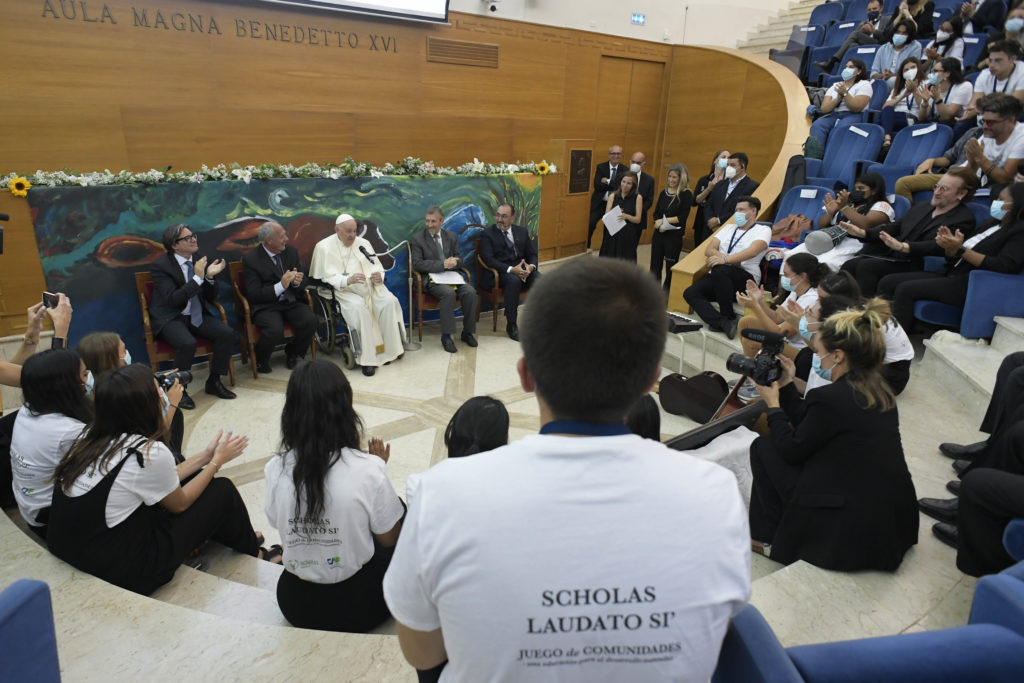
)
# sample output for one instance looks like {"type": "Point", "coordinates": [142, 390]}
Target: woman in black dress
{"type": "Point", "coordinates": [670, 214]}
{"type": "Point", "coordinates": [703, 190]}
{"type": "Point", "coordinates": [622, 243]}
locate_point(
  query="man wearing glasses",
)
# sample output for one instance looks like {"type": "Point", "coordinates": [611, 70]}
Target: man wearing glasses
{"type": "Point", "coordinates": [510, 251]}
{"type": "Point", "coordinates": [182, 285]}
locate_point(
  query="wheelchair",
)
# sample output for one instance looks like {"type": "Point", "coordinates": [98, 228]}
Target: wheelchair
{"type": "Point", "coordinates": [331, 330]}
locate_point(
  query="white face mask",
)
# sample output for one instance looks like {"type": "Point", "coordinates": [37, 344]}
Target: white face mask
{"type": "Point", "coordinates": [635, 168]}
{"type": "Point", "coordinates": [730, 172]}
{"type": "Point", "coordinates": [941, 36]}
{"type": "Point", "coordinates": [910, 74]}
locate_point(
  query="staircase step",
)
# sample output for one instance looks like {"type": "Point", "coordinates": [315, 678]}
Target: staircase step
{"type": "Point", "coordinates": [244, 569]}
{"type": "Point", "coordinates": [967, 365]}
{"type": "Point", "coordinates": [1009, 336]}
{"type": "Point", "coordinates": [213, 595]}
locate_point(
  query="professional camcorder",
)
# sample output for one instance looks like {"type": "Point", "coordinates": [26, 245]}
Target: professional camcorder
{"type": "Point", "coordinates": [166, 379]}
{"type": "Point", "coordinates": [764, 368]}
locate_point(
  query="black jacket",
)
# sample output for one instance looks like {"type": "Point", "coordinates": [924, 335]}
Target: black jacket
{"type": "Point", "coordinates": [171, 293]}
{"type": "Point", "coordinates": [260, 275]}
{"type": "Point", "coordinates": [720, 206]}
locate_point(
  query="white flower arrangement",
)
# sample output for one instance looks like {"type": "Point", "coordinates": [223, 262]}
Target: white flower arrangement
{"type": "Point", "coordinates": [350, 168]}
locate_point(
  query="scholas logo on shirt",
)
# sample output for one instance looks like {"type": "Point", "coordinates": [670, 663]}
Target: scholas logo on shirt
{"type": "Point", "coordinates": [333, 561]}
{"type": "Point", "coordinates": [26, 491]}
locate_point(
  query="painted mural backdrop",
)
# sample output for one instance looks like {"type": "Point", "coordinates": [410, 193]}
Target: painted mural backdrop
{"type": "Point", "coordinates": [92, 240]}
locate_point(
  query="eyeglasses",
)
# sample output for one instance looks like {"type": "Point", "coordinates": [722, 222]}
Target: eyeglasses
{"type": "Point", "coordinates": [187, 238]}
{"type": "Point", "coordinates": [615, 154]}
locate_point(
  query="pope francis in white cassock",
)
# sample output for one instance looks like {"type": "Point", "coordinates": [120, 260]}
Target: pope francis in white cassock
{"type": "Point", "coordinates": [371, 311]}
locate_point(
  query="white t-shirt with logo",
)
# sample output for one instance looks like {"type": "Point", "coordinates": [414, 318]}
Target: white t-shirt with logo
{"type": "Point", "coordinates": [897, 343]}
{"type": "Point", "coordinates": [1011, 148]}
{"type": "Point", "coordinates": [135, 485]}
{"type": "Point", "coordinates": [37, 446]}
{"type": "Point", "coordinates": [558, 558]}
{"type": "Point", "coordinates": [358, 501]}
{"type": "Point", "coordinates": [731, 243]}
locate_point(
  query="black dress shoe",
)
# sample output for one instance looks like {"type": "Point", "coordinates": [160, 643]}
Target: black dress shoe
{"type": "Point", "coordinates": [292, 361]}
{"type": "Point", "coordinates": [513, 331]}
{"type": "Point", "coordinates": [186, 402]}
{"type": "Point", "coordinates": [469, 339]}
{"type": "Point", "coordinates": [948, 534]}
{"type": "Point", "coordinates": [369, 370]}
{"type": "Point", "coordinates": [448, 344]}
{"type": "Point", "coordinates": [960, 466]}
{"type": "Point", "coordinates": [264, 368]}
{"type": "Point", "coordinates": [214, 387]}
{"type": "Point", "coordinates": [959, 452]}
{"type": "Point", "coordinates": [953, 487]}
{"type": "Point", "coordinates": [729, 327]}
{"type": "Point", "coordinates": [824, 66]}
{"type": "Point", "coordinates": [942, 510]}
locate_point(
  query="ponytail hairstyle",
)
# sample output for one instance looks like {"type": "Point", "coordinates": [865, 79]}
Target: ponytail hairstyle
{"type": "Point", "coordinates": [809, 265]}
{"type": "Point", "coordinates": [859, 334]}
{"type": "Point", "coordinates": [479, 425]}
{"type": "Point", "coordinates": [841, 283]}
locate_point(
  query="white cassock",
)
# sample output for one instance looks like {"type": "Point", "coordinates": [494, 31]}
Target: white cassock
{"type": "Point", "coordinates": [370, 309]}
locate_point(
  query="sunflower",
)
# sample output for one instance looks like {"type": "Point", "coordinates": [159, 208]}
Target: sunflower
{"type": "Point", "coordinates": [543, 168]}
{"type": "Point", "coordinates": [19, 186]}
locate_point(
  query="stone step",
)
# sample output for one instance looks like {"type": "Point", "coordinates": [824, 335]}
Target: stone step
{"type": "Point", "coordinates": [222, 597]}
{"type": "Point", "coordinates": [1009, 336]}
{"type": "Point", "coordinates": [966, 367]}
{"type": "Point", "coordinates": [244, 569]}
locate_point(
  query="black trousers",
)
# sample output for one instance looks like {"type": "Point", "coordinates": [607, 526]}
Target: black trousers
{"type": "Point", "coordinates": [720, 284]}
{"type": "Point", "coordinates": [1004, 419]}
{"type": "Point", "coordinates": [665, 249]}
{"type": "Point", "coordinates": [869, 271]}
{"type": "Point", "coordinates": [897, 374]}
{"type": "Point", "coordinates": [989, 499]}
{"type": "Point", "coordinates": [355, 605]}
{"type": "Point", "coordinates": [181, 334]}
{"type": "Point", "coordinates": [271, 321]}
{"type": "Point", "coordinates": [773, 486]}
{"type": "Point", "coordinates": [906, 289]}
{"type": "Point", "coordinates": [446, 297]}
{"type": "Point", "coordinates": [595, 222]}
{"type": "Point", "coordinates": [511, 286]}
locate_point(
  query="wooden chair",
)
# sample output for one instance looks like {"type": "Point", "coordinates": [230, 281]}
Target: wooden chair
{"type": "Point", "coordinates": [159, 350]}
{"type": "Point", "coordinates": [427, 302]}
{"type": "Point", "coordinates": [248, 333]}
{"type": "Point", "coordinates": [493, 294]}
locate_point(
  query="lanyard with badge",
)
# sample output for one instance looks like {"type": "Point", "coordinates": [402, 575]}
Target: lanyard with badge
{"type": "Point", "coordinates": [1006, 84]}
{"type": "Point", "coordinates": [737, 235]}
{"type": "Point", "coordinates": [580, 428]}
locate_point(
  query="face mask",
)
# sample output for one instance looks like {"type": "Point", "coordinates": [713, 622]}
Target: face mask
{"type": "Point", "coordinates": [167, 402]}
{"type": "Point", "coordinates": [847, 73]}
{"type": "Point", "coordinates": [89, 383]}
{"type": "Point", "coordinates": [805, 331]}
{"type": "Point", "coordinates": [899, 39]}
{"type": "Point", "coordinates": [723, 163]}
{"type": "Point", "coordinates": [910, 74]}
{"type": "Point", "coordinates": [635, 168]}
{"type": "Point", "coordinates": [740, 218]}
{"type": "Point", "coordinates": [941, 36]}
{"type": "Point", "coordinates": [933, 79]}
{"type": "Point", "coordinates": [822, 373]}
{"type": "Point", "coordinates": [730, 172]}
{"type": "Point", "coordinates": [874, 14]}
{"type": "Point", "coordinates": [996, 210]}
{"type": "Point", "coordinates": [979, 121]}
{"type": "Point", "coordinates": [786, 283]}
{"type": "Point", "coordinates": [1014, 25]}
{"type": "Point", "coordinates": [857, 196]}
{"type": "Point", "coordinates": [127, 357]}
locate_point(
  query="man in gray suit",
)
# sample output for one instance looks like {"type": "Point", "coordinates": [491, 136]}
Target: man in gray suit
{"type": "Point", "coordinates": [434, 251]}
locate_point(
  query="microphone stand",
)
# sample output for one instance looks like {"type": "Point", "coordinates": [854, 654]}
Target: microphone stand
{"type": "Point", "coordinates": [410, 345]}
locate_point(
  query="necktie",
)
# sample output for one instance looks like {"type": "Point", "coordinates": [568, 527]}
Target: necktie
{"type": "Point", "coordinates": [195, 306]}
{"type": "Point", "coordinates": [611, 174]}
{"type": "Point", "coordinates": [277, 262]}
{"type": "Point", "coordinates": [511, 242]}
{"type": "Point", "coordinates": [286, 295]}
{"type": "Point", "coordinates": [440, 248]}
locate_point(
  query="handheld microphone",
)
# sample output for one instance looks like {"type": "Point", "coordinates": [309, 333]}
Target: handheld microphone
{"type": "Point", "coordinates": [368, 255]}
{"type": "Point", "coordinates": [763, 336]}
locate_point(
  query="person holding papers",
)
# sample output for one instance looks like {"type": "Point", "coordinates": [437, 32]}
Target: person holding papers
{"type": "Point", "coordinates": [670, 214]}
{"type": "Point", "coordinates": [435, 256]}
{"type": "Point", "coordinates": [623, 213]}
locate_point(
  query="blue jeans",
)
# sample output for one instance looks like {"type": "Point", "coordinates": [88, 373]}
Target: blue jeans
{"type": "Point", "coordinates": [821, 127]}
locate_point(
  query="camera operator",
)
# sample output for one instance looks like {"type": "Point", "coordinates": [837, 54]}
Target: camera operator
{"type": "Point", "coordinates": [831, 485]}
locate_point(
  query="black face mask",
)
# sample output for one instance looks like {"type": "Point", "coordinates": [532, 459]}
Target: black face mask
{"type": "Point", "coordinates": [874, 15]}
{"type": "Point", "coordinates": [857, 197]}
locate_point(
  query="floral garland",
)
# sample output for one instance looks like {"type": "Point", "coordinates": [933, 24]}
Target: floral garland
{"type": "Point", "coordinates": [19, 185]}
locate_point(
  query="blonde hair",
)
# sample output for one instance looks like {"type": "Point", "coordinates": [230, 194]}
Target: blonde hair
{"type": "Point", "coordinates": [860, 334]}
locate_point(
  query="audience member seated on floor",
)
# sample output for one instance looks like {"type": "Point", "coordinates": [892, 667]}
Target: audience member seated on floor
{"type": "Point", "coordinates": [998, 245]}
{"type": "Point", "coordinates": [900, 246]}
{"type": "Point", "coordinates": [733, 257]}
{"type": "Point", "coordinates": [1003, 450]}
{"type": "Point", "coordinates": [872, 31]}
{"type": "Point", "coordinates": [10, 370]}
{"type": "Point", "coordinates": [103, 351]}
{"type": "Point", "coordinates": [900, 109]}
{"type": "Point", "coordinates": [333, 503]}
{"type": "Point", "coordinates": [831, 486]}
{"type": "Point", "coordinates": [54, 385]}
{"type": "Point", "coordinates": [849, 97]}
{"type": "Point", "coordinates": [800, 276]}
{"type": "Point", "coordinates": [948, 44]}
{"type": "Point", "coordinates": [891, 55]}
{"type": "Point", "coordinates": [479, 425]}
{"type": "Point", "coordinates": [993, 157]}
{"type": "Point", "coordinates": [497, 569]}
{"type": "Point", "coordinates": [119, 511]}
{"type": "Point", "coordinates": [702, 192]}
{"type": "Point", "coordinates": [944, 95]}
{"type": "Point", "coordinates": [644, 418]}
{"type": "Point", "coordinates": [670, 214]}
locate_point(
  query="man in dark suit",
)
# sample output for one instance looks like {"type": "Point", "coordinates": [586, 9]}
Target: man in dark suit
{"type": "Point", "coordinates": [722, 200]}
{"type": "Point", "coordinates": [273, 277]}
{"type": "Point", "coordinates": [434, 251]}
{"type": "Point", "coordinates": [508, 249]}
{"type": "Point", "coordinates": [606, 181]}
{"type": "Point", "coordinates": [645, 188]}
{"type": "Point", "coordinates": [178, 313]}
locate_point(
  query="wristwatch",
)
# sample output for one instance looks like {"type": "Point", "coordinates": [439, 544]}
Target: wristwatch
{"type": "Point", "coordinates": [960, 252]}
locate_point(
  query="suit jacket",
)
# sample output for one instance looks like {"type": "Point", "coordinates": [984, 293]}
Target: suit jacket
{"type": "Point", "coordinates": [1003, 250]}
{"type": "Point", "coordinates": [259, 274]}
{"type": "Point", "coordinates": [424, 251]}
{"type": "Point", "coordinates": [722, 207]}
{"type": "Point", "coordinates": [495, 252]}
{"type": "Point", "coordinates": [918, 229]}
{"type": "Point", "coordinates": [597, 202]}
{"type": "Point", "coordinates": [171, 293]}
{"type": "Point", "coordinates": [646, 190]}
{"type": "Point", "coordinates": [854, 505]}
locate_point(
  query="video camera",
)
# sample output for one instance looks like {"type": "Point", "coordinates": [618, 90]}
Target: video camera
{"type": "Point", "coordinates": [764, 368]}
{"type": "Point", "coordinates": [166, 379]}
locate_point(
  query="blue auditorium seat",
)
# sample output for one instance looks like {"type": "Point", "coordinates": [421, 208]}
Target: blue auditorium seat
{"type": "Point", "coordinates": [986, 298]}
{"type": "Point", "coordinates": [910, 147]}
{"type": "Point", "coordinates": [980, 211]}
{"type": "Point", "coordinates": [900, 204]}
{"type": "Point", "coordinates": [803, 199]}
{"type": "Point", "coordinates": [940, 15]}
{"type": "Point", "coordinates": [973, 45]}
{"type": "Point", "coordinates": [1013, 539]}
{"type": "Point", "coordinates": [837, 33]}
{"type": "Point", "coordinates": [847, 144]}
{"type": "Point", "coordinates": [28, 644]}
{"type": "Point", "coordinates": [826, 14]}
{"type": "Point", "coordinates": [856, 10]}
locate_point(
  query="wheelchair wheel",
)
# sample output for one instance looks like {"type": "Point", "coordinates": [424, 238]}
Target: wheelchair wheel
{"type": "Point", "coordinates": [348, 357]}
{"type": "Point", "coordinates": [324, 334]}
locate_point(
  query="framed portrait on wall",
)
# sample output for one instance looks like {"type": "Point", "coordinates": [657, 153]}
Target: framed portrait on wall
{"type": "Point", "coordinates": [579, 170]}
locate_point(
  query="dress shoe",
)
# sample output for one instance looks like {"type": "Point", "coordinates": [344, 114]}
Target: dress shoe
{"type": "Point", "coordinates": [959, 452]}
{"type": "Point", "coordinates": [825, 65]}
{"type": "Point", "coordinates": [448, 344]}
{"type": "Point", "coordinates": [948, 534]}
{"type": "Point", "coordinates": [513, 331]}
{"type": "Point", "coordinates": [369, 370]}
{"type": "Point", "coordinates": [960, 466]}
{"type": "Point", "coordinates": [264, 367]}
{"type": "Point", "coordinates": [469, 340]}
{"type": "Point", "coordinates": [291, 361]}
{"type": "Point", "coordinates": [214, 387]}
{"type": "Point", "coordinates": [186, 402]}
{"type": "Point", "coordinates": [953, 487]}
{"type": "Point", "coordinates": [942, 510]}
{"type": "Point", "coordinates": [729, 327]}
